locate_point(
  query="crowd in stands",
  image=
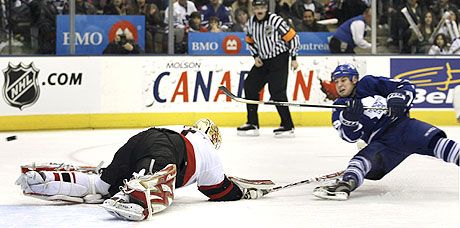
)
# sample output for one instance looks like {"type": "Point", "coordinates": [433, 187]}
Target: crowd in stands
{"type": "Point", "coordinates": [33, 22]}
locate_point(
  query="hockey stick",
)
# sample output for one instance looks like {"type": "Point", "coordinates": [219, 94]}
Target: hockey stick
{"type": "Point", "coordinates": [280, 103]}
{"type": "Point", "coordinates": [308, 181]}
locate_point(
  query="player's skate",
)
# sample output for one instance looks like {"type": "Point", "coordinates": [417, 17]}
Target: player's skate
{"type": "Point", "coordinates": [338, 191]}
{"type": "Point", "coordinates": [144, 195]}
{"type": "Point", "coordinates": [248, 130]}
{"type": "Point", "coordinates": [283, 132]}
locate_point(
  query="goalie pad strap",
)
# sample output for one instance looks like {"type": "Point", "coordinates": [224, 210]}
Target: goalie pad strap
{"type": "Point", "coordinates": [224, 191]}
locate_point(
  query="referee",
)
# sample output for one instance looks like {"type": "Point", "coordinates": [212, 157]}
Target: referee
{"type": "Point", "coordinates": [271, 42]}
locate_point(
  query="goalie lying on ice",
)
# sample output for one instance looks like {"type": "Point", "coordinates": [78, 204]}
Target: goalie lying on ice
{"type": "Point", "coordinates": [141, 179]}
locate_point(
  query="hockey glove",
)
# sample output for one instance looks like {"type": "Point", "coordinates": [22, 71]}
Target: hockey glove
{"type": "Point", "coordinates": [353, 110]}
{"type": "Point", "coordinates": [396, 103]}
{"type": "Point", "coordinates": [253, 189]}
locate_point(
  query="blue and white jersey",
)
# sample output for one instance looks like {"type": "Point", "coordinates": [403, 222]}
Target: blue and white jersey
{"type": "Point", "coordinates": [372, 91]}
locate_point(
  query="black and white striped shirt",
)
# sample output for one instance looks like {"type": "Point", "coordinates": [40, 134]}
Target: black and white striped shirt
{"type": "Point", "coordinates": [271, 36]}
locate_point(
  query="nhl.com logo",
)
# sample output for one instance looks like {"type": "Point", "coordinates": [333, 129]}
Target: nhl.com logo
{"type": "Point", "coordinates": [21, 86]}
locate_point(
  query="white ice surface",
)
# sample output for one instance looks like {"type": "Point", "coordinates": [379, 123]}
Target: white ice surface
{"type": "Point", "coordinates": [421, 192]}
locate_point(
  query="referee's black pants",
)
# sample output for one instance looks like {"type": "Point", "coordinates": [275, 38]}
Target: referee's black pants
{"type": "Point", "coordinates": [274, 72]}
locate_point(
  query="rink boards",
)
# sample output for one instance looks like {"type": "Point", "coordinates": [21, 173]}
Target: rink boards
{"type": "Point", "coordinates": [141, 91]}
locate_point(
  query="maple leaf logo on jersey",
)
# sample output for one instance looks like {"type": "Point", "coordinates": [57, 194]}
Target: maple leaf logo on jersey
{"type": "Point", "coordinates": [375, 101]}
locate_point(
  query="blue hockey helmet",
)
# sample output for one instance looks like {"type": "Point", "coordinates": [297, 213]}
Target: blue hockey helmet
{"type": "Point", "coordinates": [344, 70]}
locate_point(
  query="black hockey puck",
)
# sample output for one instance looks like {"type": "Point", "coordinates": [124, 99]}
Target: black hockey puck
{"type": "Point", "coordinates": [11, 138]}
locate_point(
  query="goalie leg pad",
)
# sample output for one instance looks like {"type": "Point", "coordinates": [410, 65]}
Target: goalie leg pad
{"type": "Point", "coordinates": [144, 195]}
{"type": "Point", "coordinates": [66, 186]}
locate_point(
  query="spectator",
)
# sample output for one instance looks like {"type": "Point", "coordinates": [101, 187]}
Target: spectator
{"type": "Point", "coordinates": [161, 4]}
{"type": "Point", "coordinates": [139, 8]}
{"type": "Point", "coordinates": [241, 20]}
{"type": "Point", "coordinates": [450, 28]}
{"type": "Point", "coordinates": [426, 27]}
{"type": "Point", "coordinates": [214, 24]}
{"type": "Point", "coordinates": [301, 6]}
{"type": "Point", "coordinates": [195, 23]}
{"type": "Point", "coordinates": [216, 9]}
{"type": "Point", "coordinates": [309, 23]}
{"type": "Point", "coordinates": [82, 7]}
{"type": "Point", "coordinates": [123, 43]}
{"type": "Point", "coordinates": [443, 6]}
{"type": "Point", "coordinates": [200, 3]}
{"type": "Point", "coordinates": [351, 34]}
{"type": "Point", "coordinates": [181, 13]}
{"type": "Point", "coordinates": [287, 9]}
{"type": "Point", "coordinates": [349, 9]}
{"type": "Point", "coordinates": [44, 19]}
{"type": "Point", "coordinates": [416, 12]}
{"type": "Point", "coordinates": [247, 4]}
{"type": "Point", "coordinates": [155, 34]}
{"type": "Point", "coordinates": [440, 45]}
{"type": "Point", "coordinates": [115, 7]}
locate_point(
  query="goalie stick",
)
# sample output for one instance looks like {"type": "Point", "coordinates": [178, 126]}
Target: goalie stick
{"type": "Point", "coordinates": [281, 103]}
{"type": "Point", "coordinates": [323, 178]}
{"type": "Point", "coordinates": [266, 185]}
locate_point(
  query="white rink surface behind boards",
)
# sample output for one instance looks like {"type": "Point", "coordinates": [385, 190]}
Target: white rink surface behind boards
{"type": "Point", "coordinates": [421, 192]}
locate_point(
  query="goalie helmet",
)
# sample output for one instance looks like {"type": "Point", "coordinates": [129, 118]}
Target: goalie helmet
{"type": "Point", "coordinates": [210, 128]}
{"type": "Point", "coordinates": [344, 70]}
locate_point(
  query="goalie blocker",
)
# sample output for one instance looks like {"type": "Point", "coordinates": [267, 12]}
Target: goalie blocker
{"type": "Point", "coordinates": [148, 168]}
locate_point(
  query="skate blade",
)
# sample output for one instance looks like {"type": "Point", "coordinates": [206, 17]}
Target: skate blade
{"type": "Point", "coordinates": [324, 194]}
{"type": "Point", "coordinates": [286, 134]}
{"type": "Point", "coordinates": [248, 133]}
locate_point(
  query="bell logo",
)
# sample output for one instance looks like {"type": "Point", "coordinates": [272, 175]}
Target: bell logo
{"type": "Point", "coordinates": [231, 45]}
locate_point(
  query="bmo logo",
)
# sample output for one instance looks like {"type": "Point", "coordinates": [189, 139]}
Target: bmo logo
{"type": "Point", "coordinates": [87, 38]}
{"type": "Point", "coordinates": [205, 46]}
{"type": "Point", "coordinates": [231, 45]}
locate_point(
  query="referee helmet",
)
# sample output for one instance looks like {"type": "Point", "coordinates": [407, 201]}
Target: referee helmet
{"type": "Point", "coordinates": [260, 3]}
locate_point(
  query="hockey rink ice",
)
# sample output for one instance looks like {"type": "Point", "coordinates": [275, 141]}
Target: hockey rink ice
{"type": "Point", "coordinates": [421, 192]}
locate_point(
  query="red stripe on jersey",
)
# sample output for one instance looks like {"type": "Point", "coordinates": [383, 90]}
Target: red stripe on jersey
{"type": "Point", "coordinates": [209, 187]}
{"type": "Point", "coordinates": [56, 177]}
{"type": "Point", "coordinates": [191, 161]}
{"type": "Point", "coordinates": [221, 194]}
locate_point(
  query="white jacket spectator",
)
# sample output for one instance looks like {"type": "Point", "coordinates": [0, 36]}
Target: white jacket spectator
{"type": "Point", "coordinates": [181, 12]}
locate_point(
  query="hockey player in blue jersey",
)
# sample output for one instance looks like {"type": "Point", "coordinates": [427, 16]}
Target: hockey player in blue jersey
{"type": "Point", "coordinates": [390, 134]}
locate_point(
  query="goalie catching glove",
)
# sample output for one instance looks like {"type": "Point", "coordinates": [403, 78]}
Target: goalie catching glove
{"type": "Point", "coordinates": [253, 189]}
